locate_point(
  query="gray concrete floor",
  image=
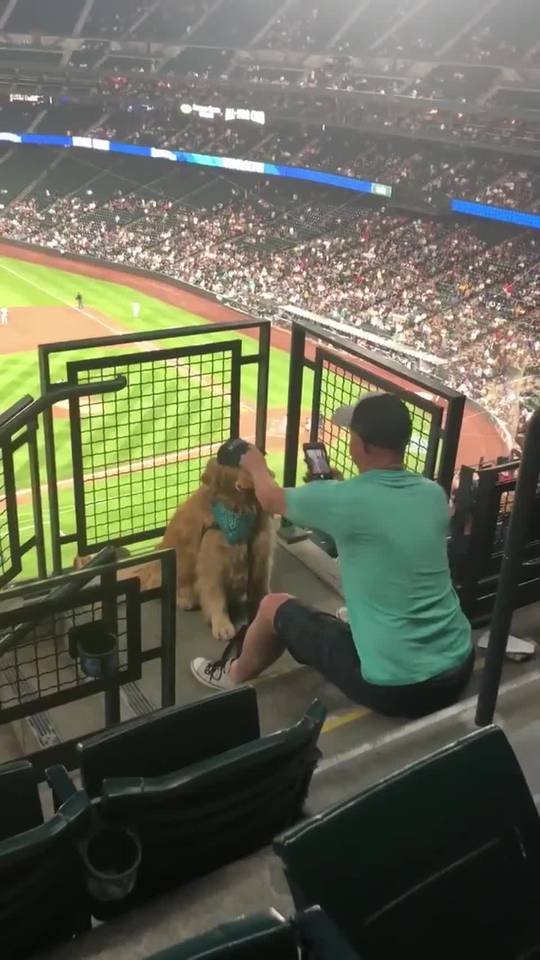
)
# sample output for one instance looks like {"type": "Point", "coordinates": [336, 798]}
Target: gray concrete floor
{"type": "Point", "coordinates": [358, 749]}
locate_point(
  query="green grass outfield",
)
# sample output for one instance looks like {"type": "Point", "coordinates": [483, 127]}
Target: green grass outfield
{"type": "Point", "coordinates": [24, 284]}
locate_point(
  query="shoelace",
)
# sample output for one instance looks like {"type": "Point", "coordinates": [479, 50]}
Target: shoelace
{"type": "Point", "coordinates": [215, 670]}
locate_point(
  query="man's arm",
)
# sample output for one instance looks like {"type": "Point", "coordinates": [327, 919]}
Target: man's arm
{"type": "Point", "coordinates": [269, 494]}
{"type": "Point", "coordinates": [314, 505]}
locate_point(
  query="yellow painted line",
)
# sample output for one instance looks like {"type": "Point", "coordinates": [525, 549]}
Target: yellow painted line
{"type": "Point", "coordinates": [333, 723]}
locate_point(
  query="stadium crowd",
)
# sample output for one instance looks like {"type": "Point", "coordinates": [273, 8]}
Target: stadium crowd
{"type": "Point", "coordinates": [309, 93]}
{"type": "Point", "coordinates": [434, 286]}
{"type": "Point", "coordinates": [506, 180]}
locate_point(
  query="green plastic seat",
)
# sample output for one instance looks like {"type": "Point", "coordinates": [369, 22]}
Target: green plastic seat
{"type": "Point", "coordinates": [266, 936]}
{"type": "Point", "coordinates": [42, 895]}
{"type": "Point", "coordinates": [204, 813]}
{"type": "Point", "coordinates": [170, 739]}
{"type": "Point", "coordinates": [263, 936]}
{"type": "Point", "coordinates": [20, 807]}
{"type": "Point", "coordinates": [441, 859]}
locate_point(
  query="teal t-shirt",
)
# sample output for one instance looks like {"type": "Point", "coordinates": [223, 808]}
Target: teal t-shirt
{"type": "Point", "coordinates": [390, 528]}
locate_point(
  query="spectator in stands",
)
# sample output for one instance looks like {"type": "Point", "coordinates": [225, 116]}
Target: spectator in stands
{"type": "Point", "coordinates": [407, 650]}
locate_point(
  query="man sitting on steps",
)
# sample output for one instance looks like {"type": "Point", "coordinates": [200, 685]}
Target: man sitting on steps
{"type": "Point", "coordinates": [407, 649]}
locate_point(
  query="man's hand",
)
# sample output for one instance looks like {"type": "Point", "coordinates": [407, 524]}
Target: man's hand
{"type": "Point", "coordinates": [253, 460]}
{"type": "Point", "coordinates": [270, 496]}
{"type": "Point", "coordinates": [334, 475]}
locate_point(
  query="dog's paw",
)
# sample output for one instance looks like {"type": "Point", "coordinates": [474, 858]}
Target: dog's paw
{"type": "Point", "coordinates": [186, 600]}
{"type": "Point", "coordinates": [222, 628]}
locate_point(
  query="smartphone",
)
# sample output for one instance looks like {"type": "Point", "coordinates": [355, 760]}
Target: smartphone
{"type": "Point", "coordinates": [316, 459]}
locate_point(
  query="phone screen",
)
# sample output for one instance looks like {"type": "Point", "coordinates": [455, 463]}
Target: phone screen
{"type": "Point", "coordinates": [317, 461]}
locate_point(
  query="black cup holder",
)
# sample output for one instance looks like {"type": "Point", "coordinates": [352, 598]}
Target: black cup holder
{"type": "Point", "coordinates": [96, 649]}
{"type": "Point", "coordinates": [111, 857]}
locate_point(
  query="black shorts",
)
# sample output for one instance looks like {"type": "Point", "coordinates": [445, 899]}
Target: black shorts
{"type": "Point", "coordinates": [325, 643]}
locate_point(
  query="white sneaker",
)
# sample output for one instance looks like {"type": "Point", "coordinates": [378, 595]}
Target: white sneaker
{"type": "Point", "coordinates": [517, 648]}
{"type": "Point", "coordinates": [213, 673]}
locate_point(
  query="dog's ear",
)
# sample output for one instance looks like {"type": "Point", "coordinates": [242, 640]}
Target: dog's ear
{"type": "Point", "coordinates": [210, 477]}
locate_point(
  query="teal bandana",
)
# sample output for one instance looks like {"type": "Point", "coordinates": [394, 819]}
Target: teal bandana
{"type": "Point", "coordinates": [236, 527]}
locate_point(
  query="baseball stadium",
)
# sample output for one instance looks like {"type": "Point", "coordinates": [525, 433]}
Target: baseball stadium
{"type": "Point", "coordinates": [269, 479]}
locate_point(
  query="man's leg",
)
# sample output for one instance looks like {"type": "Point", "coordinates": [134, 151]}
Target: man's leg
{"type": "Point", "coordinates": [261, 647]}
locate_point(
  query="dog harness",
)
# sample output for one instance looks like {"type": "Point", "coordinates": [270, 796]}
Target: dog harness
{"type": "Point", "coordinates": [237, 528]}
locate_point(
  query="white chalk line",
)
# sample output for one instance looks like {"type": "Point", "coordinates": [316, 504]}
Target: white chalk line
{"type": "Point", "coordinates": [178, 456]}
{"type": "Point", "coordinates": [66, 303]}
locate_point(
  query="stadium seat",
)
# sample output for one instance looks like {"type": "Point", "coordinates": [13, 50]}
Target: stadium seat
{"type": "Point", "coordinates": [266, 936]}
{"type": "Point", "coordinates": [20, 808]}
{"type": "Point", "coordinates": [440, 859]}
{"type": "Point", "coordinates": [226, 792]}
{"type": "Point", "coordinates": [170, 739]}
{"type": "Point", "coordinates": [42, 896]}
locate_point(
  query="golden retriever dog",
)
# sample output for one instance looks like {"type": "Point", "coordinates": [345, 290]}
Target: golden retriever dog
{"type": "Point", "coordinates": [213, 572]}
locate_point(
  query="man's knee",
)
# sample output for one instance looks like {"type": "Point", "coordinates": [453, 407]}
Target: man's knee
{"type": "Point", "coordinates": [270, 605]}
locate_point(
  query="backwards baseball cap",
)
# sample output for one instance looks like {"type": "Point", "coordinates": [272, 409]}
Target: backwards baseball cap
{"type": "Point", "coordinates": [230, 453]}
{"type": "Point", "coordinates": [380, 419]}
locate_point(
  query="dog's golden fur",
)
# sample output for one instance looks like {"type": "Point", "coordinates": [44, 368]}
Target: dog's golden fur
{"type": "Point", "coordinates": [212, 573]}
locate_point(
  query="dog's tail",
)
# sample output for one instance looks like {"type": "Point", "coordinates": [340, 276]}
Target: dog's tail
{"type": "Point", "coordinates": [148, 574]}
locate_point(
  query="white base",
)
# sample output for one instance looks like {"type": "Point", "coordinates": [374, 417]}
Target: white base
{"type": "Point", "coordinates": [516, 647]}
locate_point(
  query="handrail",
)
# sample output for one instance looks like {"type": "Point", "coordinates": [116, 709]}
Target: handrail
{"type": "Point", "coordinates": [27, 408]}
{"type": "Point", "coordinates": [520, 520]}
{"type": "Point", "coordinates": [10, 640]}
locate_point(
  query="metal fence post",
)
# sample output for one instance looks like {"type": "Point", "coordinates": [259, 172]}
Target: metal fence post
{"type": "Point", "coordinates": [50, 465]}
{"type": "Point", "coordinates": [168, 629]}
{"type": "Point", "coordinates": [109, 609]}
{"type": "Point", "coordinates": [294, 404]}
{"type": "Point", "coordinates": [452, 432]}
{"type": "Point", "coordinates": [520, 520]}
{"type": "Point", "coordinates": [262, 385]}
{"type": "Point", "coordinates": [37, 502]}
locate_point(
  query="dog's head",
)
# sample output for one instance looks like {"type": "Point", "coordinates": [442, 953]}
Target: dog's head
{"type": "Point", "coordinates": [231, 485]}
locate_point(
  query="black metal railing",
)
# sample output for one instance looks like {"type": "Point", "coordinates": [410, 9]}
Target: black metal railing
{"type": "Point", "coordinates": [41, 669]}
{"type": "Point", "coordinates": [483, 507]}
{"type": "Point", "coordinates": [519, 527]}
{"type": "Point", "coordinates": [19, 427]}
{"type": "Point", "coordinates": [179, 404]}
{"type": "Point", "coordinates": [341, 373]}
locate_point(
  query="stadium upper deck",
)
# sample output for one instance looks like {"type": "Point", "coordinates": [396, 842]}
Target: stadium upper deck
{"type": "Point", "coordinates": [489, 32]}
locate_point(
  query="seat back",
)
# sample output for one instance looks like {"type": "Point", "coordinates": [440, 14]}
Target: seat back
{"type": "Point", "coordinates": [443, 853]}
{"type": "Point", "coordinates": [20, 807]}
{"type": "Point", "coordinates": [42, 896]}
{"type": "Point", "coordinates": [170, 739]}
{"type": "Point", "coordinates": [197, 819]}
{"type": "Point", "coordinates": [264, 936]}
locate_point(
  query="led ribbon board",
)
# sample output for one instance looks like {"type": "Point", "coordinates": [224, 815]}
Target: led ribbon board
{"type": "Point", "coordinates": [519, 218]}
